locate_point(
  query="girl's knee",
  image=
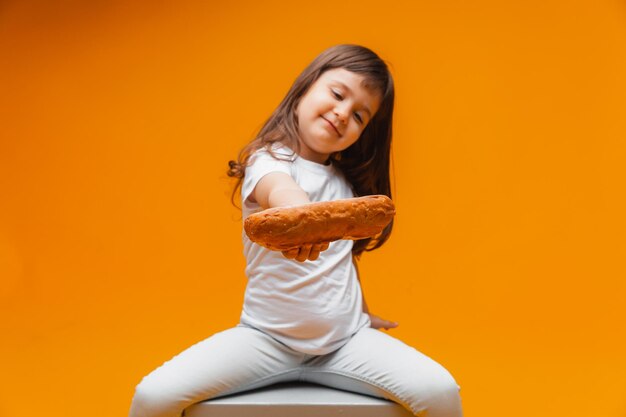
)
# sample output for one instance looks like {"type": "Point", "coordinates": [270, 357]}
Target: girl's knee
{"type": "Point", "coordinates": [151, 400]}
{"type": "Point", "coordinates": [440, 397]}
{"type": "Point", "coordinates": [445, 398]}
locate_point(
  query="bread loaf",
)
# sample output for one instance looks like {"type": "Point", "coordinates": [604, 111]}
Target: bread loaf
{"type": "Point", "coordinates": [284, 228]}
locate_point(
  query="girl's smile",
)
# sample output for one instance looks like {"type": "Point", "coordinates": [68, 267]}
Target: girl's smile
{"type": "Point", "coordinates": [333, 113]}
{"type": "Point", "coordinates": [332, 127]}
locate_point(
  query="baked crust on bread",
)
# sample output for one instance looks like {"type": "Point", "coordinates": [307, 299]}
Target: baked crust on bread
{"type": "Point", "coordinates": [284, 228]}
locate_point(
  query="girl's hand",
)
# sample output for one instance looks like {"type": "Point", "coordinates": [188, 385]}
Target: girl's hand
{"type": "Point", "coordinates": [310, 252]}
{"type": "Point", "coordinates": [378, 323]}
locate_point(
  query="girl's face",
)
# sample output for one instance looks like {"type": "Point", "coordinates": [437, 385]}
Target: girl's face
{"type": "Point", "coordinates": [333, 113]}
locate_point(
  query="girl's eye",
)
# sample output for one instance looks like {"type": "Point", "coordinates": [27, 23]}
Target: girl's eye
{"type": "Point", "coordinates": [337, 95]}
{"type": "Point", "coordinates": [358, 117]}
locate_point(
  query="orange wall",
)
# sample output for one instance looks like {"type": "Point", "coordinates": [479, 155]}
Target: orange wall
{"type": "Point", "coordinates": [119, 247]}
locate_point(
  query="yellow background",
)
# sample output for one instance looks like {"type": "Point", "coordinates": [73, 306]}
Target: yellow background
{"type": "Point", "coordinates": [119, 246]}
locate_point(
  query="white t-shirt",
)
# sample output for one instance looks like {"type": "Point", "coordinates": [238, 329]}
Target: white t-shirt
{"type": "Point", "coordinates": [313, 307]}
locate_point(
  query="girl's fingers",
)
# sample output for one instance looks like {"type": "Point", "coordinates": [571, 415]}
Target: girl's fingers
{"type": "Point", "coordinates": [379, 323]}
{"type": "Point", "coordinates": [304, 252]}
{"type": "Point", "coordinates": [316, 249]}
{"type": "Point", "coordinates": [291, 253]}
{"type": "Point", "coordinates": [315, 252]}
{"type": "Point", "coordinates": [389, 325]}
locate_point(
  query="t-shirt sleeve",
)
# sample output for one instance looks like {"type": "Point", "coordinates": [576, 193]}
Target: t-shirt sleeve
{"type": "Point", "coordinates": [261, 164]}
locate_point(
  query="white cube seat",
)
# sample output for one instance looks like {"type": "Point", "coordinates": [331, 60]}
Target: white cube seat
{"type": "Point", "coordinates": [296, 400]}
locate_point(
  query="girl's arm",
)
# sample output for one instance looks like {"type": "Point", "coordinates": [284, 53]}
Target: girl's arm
{"type": "Point", "coordinates": [376, 322]}
{"type": "Point", "coordinates": [278, 189]}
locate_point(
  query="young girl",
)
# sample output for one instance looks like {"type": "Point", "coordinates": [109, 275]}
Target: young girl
{"type": "Point", "coordinates": [304, 317]}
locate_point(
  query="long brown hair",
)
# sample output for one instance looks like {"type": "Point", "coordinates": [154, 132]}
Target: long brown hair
{"type": "Point", "coordinates": [366, 163]}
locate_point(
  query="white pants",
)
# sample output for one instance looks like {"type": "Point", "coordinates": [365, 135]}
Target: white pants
{"type": "Point", "coordinates": [243, 358]}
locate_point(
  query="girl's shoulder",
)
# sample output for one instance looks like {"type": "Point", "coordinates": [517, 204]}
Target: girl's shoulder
{"type": "Point", "coordinates": [277, 151]}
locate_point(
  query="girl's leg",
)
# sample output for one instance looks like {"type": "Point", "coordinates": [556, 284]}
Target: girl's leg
{"type": "Point", "coordinates": [375, 363]}
{"type": "Point", "coordinates": [234, 360]}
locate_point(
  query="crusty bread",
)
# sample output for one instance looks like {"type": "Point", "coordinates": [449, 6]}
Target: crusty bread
{"type": "Point", "coordinates": [284, 228]}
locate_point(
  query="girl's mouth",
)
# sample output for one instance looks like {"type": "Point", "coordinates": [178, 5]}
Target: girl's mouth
{"type": "Point", "coordinates": [332, 126]}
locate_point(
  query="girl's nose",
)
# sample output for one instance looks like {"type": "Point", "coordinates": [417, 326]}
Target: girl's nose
{"type": "Point", "coordinates": [342, 113]}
